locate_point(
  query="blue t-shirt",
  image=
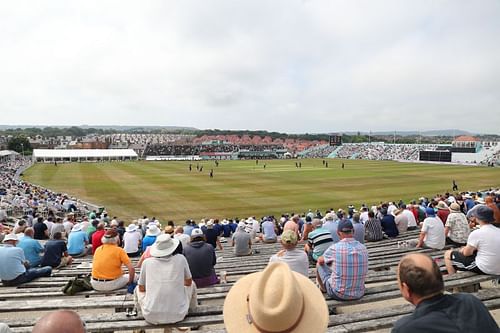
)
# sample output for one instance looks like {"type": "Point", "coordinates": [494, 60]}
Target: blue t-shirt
{"type": "Point", "coordinates": [226, 228]}
{"type": "Point", "coordinates": [11, 262]}
{"type": "Point", "coordinates": [188, 229]}
{"type": "Point", "coordinates": [389, 226]}
{"type": "Point", "coordinates": [32, 250]}
{"type": "Point", "coordinates": [332, 226]}
{"type": "Point", "coordinates": [211, 236]}
{"type": "Point", "coordinates": [76, 242]}
{"type": "Point", "coordinates": [148, 241]}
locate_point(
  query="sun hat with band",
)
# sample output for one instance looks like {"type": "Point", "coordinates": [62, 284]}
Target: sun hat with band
{"type": "Point", "coordinates": [165, 245]}
{"type": "Point", "coordinates": [275, 300]}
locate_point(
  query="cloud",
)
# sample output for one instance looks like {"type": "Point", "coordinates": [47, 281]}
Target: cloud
{"type": "Point", "coordinates": [293, 66]}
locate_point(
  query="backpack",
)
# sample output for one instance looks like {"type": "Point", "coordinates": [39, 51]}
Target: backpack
{"type": "Point", "coordinates": [78, 284]}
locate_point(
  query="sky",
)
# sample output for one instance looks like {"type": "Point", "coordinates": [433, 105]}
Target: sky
{"type": "Point", "coordinates": [292, 66]}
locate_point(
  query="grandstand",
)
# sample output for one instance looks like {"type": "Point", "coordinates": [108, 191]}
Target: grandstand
{"type": "Point", "coordinates": [83, 155]}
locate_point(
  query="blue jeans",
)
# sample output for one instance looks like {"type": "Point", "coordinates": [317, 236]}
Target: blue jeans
{"type": "Point", "coordinates": [29, 275]}
{"type": "Point", "coordinates": [325, 273]}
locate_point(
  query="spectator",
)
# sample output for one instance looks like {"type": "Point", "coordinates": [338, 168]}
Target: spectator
{"type": "Point", "coordinates": [57, 227]}
{"type": "Point", "coordinates": [373, 228]}
{"type": "Point", "coordinates": [359, 229]}
{"type": "Point", "coordinates": [201, 259]}
{"type": "Point", "coordinates": [242, 241]}
{"type": "Point", "coordinates": [41, 229]}
{"type": "Point", "coordinates": [318, 241]}
{"type": "Point", "coordinates": [302, 307]}
{"type": "Point", "coordinates": [331, 224]}
{"type": "Point", "coordinates": [388, 224]}
{"type": "Point", "coordinates": [422, 285]}
{"type": "Point", "coordinates": [411, 216]}
{"type": "Point", "coordinates": [165, 276]}
{"type": "Point", "coordinates": [151, 233]}
{"type": "Point", "coordinates": [31, 247]}
{"type": "Point", "coordinates": [401, 220]}
{"type": "Point", "coordinates": [480, 255]}
{"type": "Point", "coordinates": [97, 237]}
{"type": "Point", "coordinates": [132, 241]}
{"type": "Point", "coordinates": [13, 265]}
{"type": "Point", "coordinates": [443, 211]}
{"type": "Point", "coordinates": [212, 235]}
{"type": "Point", "coordinates": [296, 259]}
{"type": "Point", "coordinates": [56, 253]}
{"type": "Point", "coordinates": [59, 322]}
{"type": "Point", "coordinates": [268, 232]}
{"type": "Point", "coordinates": [456, 228]}
{"type": "Point", "coordinates": [77, 242]}
{"type": "Point", "coordinates": [342, 269]}
{"type": "Point", "coordinates": [432, 232]}
{"type": "Point", "coordinates": [107, 264]}
{"type": "Point", "coordinates": [181, 236]}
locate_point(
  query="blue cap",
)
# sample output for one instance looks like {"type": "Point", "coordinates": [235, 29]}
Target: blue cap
{"type": "Point", "coordinates": [430, 211]}
{"type": "Point", "coordinates": [345, 226]}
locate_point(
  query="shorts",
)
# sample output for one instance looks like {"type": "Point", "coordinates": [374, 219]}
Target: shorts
{"type": "Point", "coordinates": [463, 263]}
{"type": "Point", "coordinates": [325, 273]}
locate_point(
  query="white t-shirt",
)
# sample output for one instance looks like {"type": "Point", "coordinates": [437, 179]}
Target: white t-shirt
{"type": "Point", "coordinates": [164, 280]}
{"type": "Point", "coordinates": [183, 238]}
{"type": "Point", "coordinates": [411, 218]}
{"type": "Point", "coordinates": [131, 241]}
{"type": "Point", "coordinates": [363, 217]}
{"type": "Point", "coordinates": [296, 259]}
{"type": "Point", "coordinates": [487, 242]}
{"type": "Point", "coordinates": [434, 229]}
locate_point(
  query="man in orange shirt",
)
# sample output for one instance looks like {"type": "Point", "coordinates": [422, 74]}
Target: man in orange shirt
{"type": "Point", "coordinates": [107, 273]}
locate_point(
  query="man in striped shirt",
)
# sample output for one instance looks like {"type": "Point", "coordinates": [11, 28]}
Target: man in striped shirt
{"type": "Point", "coordinates": [318, 241]}
{"type": "Point", "coordinates": [342, 269]}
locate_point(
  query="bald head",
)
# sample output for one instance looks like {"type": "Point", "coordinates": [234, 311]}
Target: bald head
{"type": "Point", "coordinates": [60, 321]}
{"type": "Point", "coordinates": [420, 274]}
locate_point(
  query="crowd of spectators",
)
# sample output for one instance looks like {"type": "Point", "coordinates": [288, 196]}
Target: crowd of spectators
{"type": "Point", "coordinates": [382, 151]}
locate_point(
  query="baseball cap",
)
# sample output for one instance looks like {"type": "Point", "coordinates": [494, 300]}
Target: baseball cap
{"type": "Point", "coordinates": [196, 233]}
{"type": "Point", "coordinates": [430, 211]}
{"type": "Point", "coordinates": [289, 237]}
{"type": "Point", "coordinates": [345, 226]}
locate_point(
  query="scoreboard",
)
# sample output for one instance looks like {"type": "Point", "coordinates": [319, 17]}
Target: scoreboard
{"type": "Point", "coordinates": [335, 140]}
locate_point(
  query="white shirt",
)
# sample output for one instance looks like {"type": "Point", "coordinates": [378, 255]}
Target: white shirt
{"type": "Point", "coordinates": [183, 238]}
{"type": "Point", "coordinates": [487, 242]}
{"type": "Point", "coordinates": [411, 218]}
{"type": "Point", "coordinates": [434, 229]}
{"type": "Point", "coordinates": [164, 280]}
{"type": "Point", "coordinates": [363, 217]}
{"type": "Point", "coordinates": [296, 259]}
{"type": "Point", "coordinates": [131, 241]}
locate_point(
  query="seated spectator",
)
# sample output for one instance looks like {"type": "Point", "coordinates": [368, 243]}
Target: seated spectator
{"type": "Point", "coordinates": [211, 235]}
{"type": "Point", "coordinates": [242, 241]}
{"type": "Point", "coordinates": [306, 228]}
{"type": "Point", "coordinates": [59, 322]}
{"type": "Point", "coordinates": [373, 228]}
{"type": "Point", "coordinates": [20, 228]}
{"type": "Point", "coordinates": [480, 255]}
{"type": "Point", "coordinates": [132, 241]}
{"type": "Point", "coordinates": [181, 236]}
{"type": "Point", "coordinates": [226, 229]}
{"type": "Point", "coordinates": [296, 259]}
{"type": "Point", "coordinates": [41, 229]}
{"type": "Point", "coordinates": [201, 259]}
{"type": "Point", "coordinates": [411, 216]}
{"type": "Point", "coordinates": [268, 232]}
{"type": "Point", "coordinates": [56, 253]}
{"type": "Point", "coordinates": [456, 228]}
{"type": "Point", "coordinates": [401, 220]}
{"type": "Point", "coordinates": [13, 265]}
{"type": "Point", "coordinates": [388, 224]}
{"type": "Point", "coordinates": [301, 308]}
{"type": "Point", "coordinates": [31, 247]}
{"type": "Point", "coordinates": [341, 271]}
{"type": "Point", "coordinates": [151, 233]}
{"type": "Point", "coordinates": [97, 236]}
{"type": "Point", "coordinates": [165, 276]}
{"type": "Point", "coordinates": [107, 264]}
{"type": "Point", "coordinates": [293, 224]}
{"type": "Point", "coordinates": [331, 224]}
{"type": "Point", "coordinates": [57, 227]}
{"type": "Point", "coordinates": [359, 228]}
{"type": "Point", "coordinates": [443, 211]}
{"type": "Point", "coordinates": [432, 232]}
{"type": "Point", "coordinates": [77, 242]}
{"type": "Point", "coordinates": [421, 284]}
{"type": "Point", "coordinates": [318, 241]}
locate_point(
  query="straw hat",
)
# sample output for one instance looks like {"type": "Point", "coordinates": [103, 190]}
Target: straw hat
{"type": "Point", "coordinates": [169, 229]}
{"type": "Point", "coordinates": [165, 245]}
{"type": "Point", "coordinates": [442, 205]}
{"type": "Point", "coordinates": [275, 300]}
{"type": "Point", "coordinates": [454, 207]}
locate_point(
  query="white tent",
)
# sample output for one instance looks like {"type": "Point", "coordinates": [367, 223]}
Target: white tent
{"type": "Point", "coordinates": [82, 155]}
{"type": "Point", "coordinates": [6, 155]}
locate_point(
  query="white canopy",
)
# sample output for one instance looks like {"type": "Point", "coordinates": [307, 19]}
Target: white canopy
{"type": "Point", "coordinates": [83, 153]}
{"type": "Point", "coordinates": [7, 153]}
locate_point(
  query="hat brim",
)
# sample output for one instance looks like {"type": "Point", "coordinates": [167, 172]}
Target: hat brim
{"type": "Point", "coordinates": [155, 252]}
{"type": "Point", "coordinates": [148, 233]}
{"type": "Point", "coordinates": [314, 319]}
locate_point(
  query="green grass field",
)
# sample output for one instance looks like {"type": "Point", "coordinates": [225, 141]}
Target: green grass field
{"type": "Point", "coordinates": [169, 191]}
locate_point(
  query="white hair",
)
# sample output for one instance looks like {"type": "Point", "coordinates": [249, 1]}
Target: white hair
{"type": "Point", "coordinates": [109, 240]}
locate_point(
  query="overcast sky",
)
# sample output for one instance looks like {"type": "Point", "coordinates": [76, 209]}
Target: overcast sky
{"type": "Point", "coordinates": [290, 66]}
